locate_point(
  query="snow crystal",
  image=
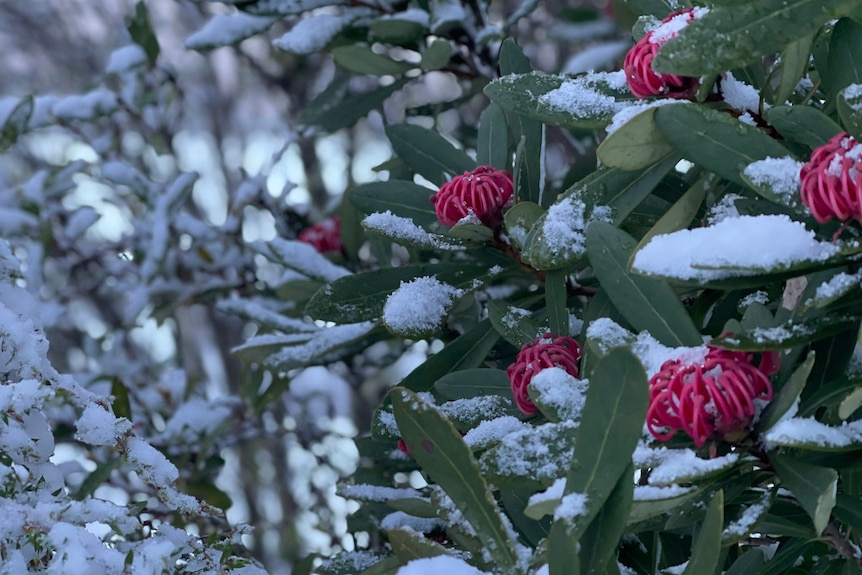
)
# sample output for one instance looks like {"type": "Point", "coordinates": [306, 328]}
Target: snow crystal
{"type": "Point", "coordinates": [653, 492]}
{"type": "Point", "coordinates": [564, 226]}
{"type": "Point", "coordinates": [321, 343]}
{"type": "Point", "coordinates": [351, 562]}
{"type": "Point", "coordinates": [228, 29]}
{"type": "Point", "coordinates": [809, 431]}
{"type": "Point", "coordinates": [440, 564]}
{"type": "Point", "coordinates": [395, 227]}
{"type": "Point", "coordinates": [564, 393]}
{"type": "Point", "coordinates": [492, 431]}
{"type": "Point", "coordinates": [571, 506]}
{"type": "Point", "coordinates": [627, 113]}
{"type": "Point", "coordinates": [304, 259]}
{"type": "Point", "coordinates": [746, 245]}
{"type": "Point", "coordinates": [838, 285]}
{"type": "Point", "coordinates": [779, 334]}
{"type": "Point", "coordinates": [853, 97]}
{"type": "Point", "coordinates": [151, 464]}
{"type": "Point", "coordinates": [724, 209]}
{"type": "Point", "coordinates": [552, 493]}
{"type": "Point", "coordinates": [365, 492]}
{"type": "Point", "coordinates": [419, 305]}
{"type": "Point", "coordinates": [671, 466]}
{"type": "Point", "coordinates": [312, 34]}
{"type": "Point", "coordinates": [401, 520]}
{"type": "Point", "coordinates": [581, 97]}
{"type": "Point", "coordinates": [742, 526]}
{"type": "Point", "coordinates": [98, 426]}
{"type": "Point", "coordinates": [85, 106]}
{"type": "Point", "coordinates": [667, 30]}
{"type": "Point", "coordinates": [484, 406]}
{"type": "Point", "coordinates": [676, 569]}
{"type": "Point", "coordinates": [125, 58]}
{"type": "Point", "coordinates": [525, 453]}
{"type": "Point", "coordinates": [781, 175]}
{"type": "Point", "coordinates": [740, 95]}
{"type": "Point", "coordinates": [759, 296]}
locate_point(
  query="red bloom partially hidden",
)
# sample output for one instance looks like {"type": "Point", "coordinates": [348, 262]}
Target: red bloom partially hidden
{"type": "Point", "coordinates": [482, 193]}
{"type": "Point", "coordinates": [547, 351]}
{"type": "Point", "coordinates": [324, 236]}
{"type": "Point", "coordinates": [714, 397]}
{"type": "Point", "coordinates": [832, 180]}
{"type": "Point", "coordinates": [643, 80]}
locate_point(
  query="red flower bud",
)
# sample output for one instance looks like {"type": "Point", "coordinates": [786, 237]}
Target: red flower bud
{"type": "Point", "coordinates": [714, 397]}
{"type": "Point", "coordinates": [323, 236]}
{"type": "Point", "coordinates": [482, 192]}
{"type": "Point", "coordinates": [643, 81]}
{"type": "Point", "coordinates": [832, 180]}
{"type": "Point", "coordinates": [547, 351]}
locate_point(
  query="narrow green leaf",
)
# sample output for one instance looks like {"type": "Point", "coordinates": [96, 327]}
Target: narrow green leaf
{"type": "Point", "coordinates": [513, 323]}
{"type": "Point", "coordinates": [141, 31]}
{"type": "Point", "coordinates": [437, 55]}
{"type": "Point", "coordinates": [469, 350]}
{"type": "Point", "coordinates": [647, 303]}
{"type": "Point", "coordinates": [394, 30]}
{"type": "Point", "coordinates": [813, 486]}
{"type": "Point", "coordinates": [121, 405]}
{"type": "Point", "coordinates": [328, 100]}
{"type": "Point", "coordinates": [363, 60]}
{"type": "Point", "coordinates": [351, 110]}
{"type": "Point", "coordinates": [408, 544]}
{"type": "Point", "coordinates": [849, 109]}
{"type": "Point", "coordinates": [787, 556]}
{"type": "Point", "coordinates": [474, 382]}
{"type": "Point", "coordinates": [716, 140]}
{"type": "Point", "coordinates": [512, 59]}
{"type": "Point", "coordinates": [352, 234]}
{"type": "Point", "coordinates": [603, 535]}
{"type": "Point", "coordinates": [733, 36]}
{"type": "Point", "coordinates": [850, 404]}
{"type": "Point", "coordinates": [387, 566]}
{"type": "Point", "coordinates": [786, 396]}
{"type": "Point", "coordinates": [707, 547]}
{"type": "Point", "coordinates": [679, 216]}
{"type": "Point", "coordinates": [749, 563]}
{"type": "Point", "coordinates": [795, 59]}
{"type": "Point", "coordinates": [428, 153]}
{"type": "Point", "coordinates": [520, 219]}
{"type": "Point", "coordinates": [492, 147]}
{"type": "Point", "coordinates": [848, 510]}
{"type": "Point", "coordinates": [804, 124]}
{"type": "Point", "coordinates": [514, 502]}
{"type": "Point", "coordinates": [97, 478]}
{"type": "Point", "coordinates": [611, 423]}
{"type": "Point", "coordinates": [636, 145]}
{"type": "Point", "coordinates": [555, 300]}
{"type": "Point", "coordinates": [845, 46]}
{"type": "Point", "coordinates": [15, 122]}
{"type": "Point", "coordinates": [439, 449]}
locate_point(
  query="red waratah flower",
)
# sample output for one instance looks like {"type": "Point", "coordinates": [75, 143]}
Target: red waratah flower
{"type": "Point", "coordinates": [643, 81]}
{"type": "Point", "coordinates": [714, 397]}
{"type": "Point", "coordinates": [832, 180]}
{"type": "Point", "coordinates": [324, 236]}
{"type": "Point", "coordinates": [482, 193]}
{"type": "Point", "coordinates": [547, 351]}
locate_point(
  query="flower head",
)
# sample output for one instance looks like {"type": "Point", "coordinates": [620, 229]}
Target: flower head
{"type": "Point", "coordinates": [547, 351]}
{"type": "Point", "coordinates": [643, 80]}
{"type": "Point", "coordinates": [323, 236]}
{"type": "Point", "coordinates": [714, 397]}
{"type": "Point", "coordinates": [832, 180]}
{"type": "Point", "coordinates": [481, 193]}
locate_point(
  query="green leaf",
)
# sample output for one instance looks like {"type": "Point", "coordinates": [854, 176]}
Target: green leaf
{"type": "Point", "coordinates": [656, 8]}
{"type": "Point", "coordinates": [468, 351]}
{"type": "Point", "coordinates": [514, 502]}
{"type": "Point", "coordinates": [543, 453]}
{"type": "Point", "coordinates": [208, 492]}
{"type": "Point", "coordinates": [352, 233]}
{"type": "Point", "coordinates": [361, 297]}
{"type": "Point", "coordinates": [15, 123]}
{"type": "Point", "coordinates": [804, 124]}
{"type": "Point", "coordinates": [428, 153]}
{"type": "Point", "coordinates": [786, 396]}
{"type": "Point", "coordinates": [845, 46]}
{"type": "Point", "coordinates": [813, 486]}
{"type": "Point", "coordinates": [475, 382]}
{"type": "Point", "coordinates": [387, 566]}
{"type": "Point", "coordinates": [513, 323]}
{"type": "Point", "coordinates": [788, 554]}
{"type": "Point", "coordinates": [351, 109]}
{"type": "Point", "coordinates": [707, 547]}
{"type": "Point", "coordinates": [849, 109]}
{"type": "Point", "coordinates": [402, 198]}
{"type": "Point", "coordinates": [141, 31]}
{"type": "Point", "coordinates": [749, 563]}
{"type": "Point", "coordinates": [555, 300]}
{"type": "Point", "coordinates": [601, 538]}
{"type": "Point", "coordinates": [643, 510]}
{"type": "Point", "coordinates": [97, 478]}
{"type": "Point", "coordinates": [850, 404]}
{"type": "Point", "coordinates": [362, 60]}
{"type": "Point", "coordinates": [121, 405]}
{"type": "Point", "coordinates": [439, 449]}
{"type": "Point", "coordinates": [848, 510]}
{"type": "Point", "coordinates": [636, 145]}
{"type": "Point", "coordinates": [736, 35]}
{"type": "Point", "coordinates": [788, 334]}
{"type": "Point", "coordinates": [408, 544]}
{"type": "Point", "coordinates": [492, 147]}
{"type": "Point", "coordinates": [437, 55]}
{"type": "Point", "coordinates": [795, 59]}
{"type": "Point", "coordinates": [520, 219]}
{"type": "Point", "coordinates": [393, 30]}
{"type": "Point", "coordinates": [328, 100]}
{"type": "Point", "coordinates": [611, 424]}
{"type": "Point", "coordinates": [648, 304]}
{"type": "Point", "coordinates": [716, 140]}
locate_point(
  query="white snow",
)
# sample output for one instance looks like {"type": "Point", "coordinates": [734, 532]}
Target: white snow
{"type": "Point", "coordinates": [303, 258]}
{"type": "Point", "coordinates": [564, 225]}
{"type": "Point", "coordinates": [746, 245]}
{"type": "Point", "coordinates": [227, 30]}
{"type": "Point", "coordinates": [724, 209]}
{"type": "Point", "coordinates": [401, 520]}
{"type": "Point", "coordinates": [150, 463]}
{"type": "Point", "coordinates": [798, 431]}
{"type": "Point", "coordinates": [440, 564]}
{"type": "Point", "coordinates": [836, 286]}
{"type": "Point", "coordinates": [628, 112]}
{"type": "Point", "coordinates": [311, 34]}
{"type": "Point", "coordinates": [759, 296]}
{"type": "Point", "coordinates": [419, 305]}
{"type": "Point", "coordinates": [781, 175]}
{"type": "Point", "coordinates": [125, 58]}
{"type": "Point", "coordinates": [571, 506]}
{"type": "Point", "coordinates": [670, 466]}
{"type": "Point", "coordinates": [667, 30]}
{"type": "Point", "coordinates": [740, 95]}
{"type": "Point", "coordinates": [492, 431]}
{"type": "Point", "coordinates": [396, 227]}
{"type": "Point", "coordinates": [564, 393]}
{"type": "Point", "coordinates": [98, 426]}
{"type": "Point", "coordinates": [582, 98]}
{"type": "Point", "coordinates": [743, 524]}
{"type": "Point", "coordinates": [366, 492]}
{"type": "Point", "coordinates": [85, 106]}
{"type": "Point", "coordinates": [653, 492]}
